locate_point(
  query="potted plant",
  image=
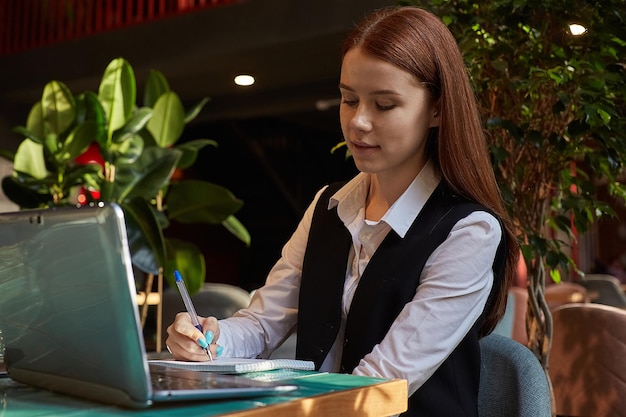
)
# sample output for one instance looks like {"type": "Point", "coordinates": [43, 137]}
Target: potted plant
{"type": "Point", "coordinates": [102, 146]}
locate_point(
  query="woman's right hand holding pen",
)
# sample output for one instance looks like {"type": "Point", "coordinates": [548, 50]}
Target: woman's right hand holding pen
{"type": "Point", "coordinates": [186, 342]}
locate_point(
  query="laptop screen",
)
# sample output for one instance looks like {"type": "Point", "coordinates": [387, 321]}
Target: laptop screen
{"type": "Point", "coordinates": [66, 308]}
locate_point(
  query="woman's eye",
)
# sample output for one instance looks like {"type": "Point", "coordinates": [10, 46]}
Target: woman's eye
{"type": "Point", "coordinates": [385, 107]}
{"type": "Point", "coordinates": [348, 102]}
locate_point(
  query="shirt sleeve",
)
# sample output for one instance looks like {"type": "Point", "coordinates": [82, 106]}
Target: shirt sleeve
{"type": "Point", "coordinates": [453, 291]}
{"type": "Point", "coordinates": [273, 311]}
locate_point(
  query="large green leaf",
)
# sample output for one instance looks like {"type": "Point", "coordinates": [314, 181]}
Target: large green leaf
{"type": "Point", "coordinates": [190, 151]}
{"type": "Point", "coordinates": [147, 176]}
{"type": "Point", "coordinates": [145, 237]}
{"type": "Point", "coordinates": [195, 110]}
{"type": "Point", "coordinates": [188, 260]}
{"type": "Point", "coordinates": [51, 147]}
{"type": "Point", "coordinates": [168, 120]}
{"type": "Point", "coordinates": [148, 140]}
{"type": "Point", "coordinates": [34, 124]}
{"type": "Point", "coordinates": [196, 201]}
{"type": "Point", "coordinates": [117, 94]}
{"type": "Point", "coordinates": [78, 141]}
{"type": "Point", "coordinates": [127, 148]}
{"type": "Point", "coordinates": [127, 142]}
{"type": "Point", "coordinates": [137, 122]}
{"type": "Point", "coordinates": [89, 110]}
{"type": "Point", "coordinates": [29, 159]}
{"type": "Point", "coordinates": [22, 195]}
{"type": "Point", "coordinates": [234, 226]}
{"type": "Point", "coordinates": [156, 86]}
{"type": "Point", "coordinates": [28, 134]}
{"type": "Point", "coordinates": [58, 108]}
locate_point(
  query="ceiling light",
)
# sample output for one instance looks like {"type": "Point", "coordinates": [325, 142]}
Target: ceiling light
{"type": "Point", "coordinates": [322, 105]}
{"type": "Point", "coordinates": [576, 29]}
{"type": "Point", "coordinates": [244, 80]}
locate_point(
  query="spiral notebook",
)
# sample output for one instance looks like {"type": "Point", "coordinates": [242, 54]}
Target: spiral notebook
{"type": "Point", "coordinates": [237, 365]}
{"type": "Point", "coordinates": [69, 317]}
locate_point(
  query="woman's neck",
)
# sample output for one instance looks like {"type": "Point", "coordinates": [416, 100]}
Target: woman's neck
{"type": "Point", "coordinates": [384, 190]}
{"type": "Point", "coordinates": [379, 198]}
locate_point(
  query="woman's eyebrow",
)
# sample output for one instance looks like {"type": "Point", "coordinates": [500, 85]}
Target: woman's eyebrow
{"type": "Point", "coordinates": [376, 92]}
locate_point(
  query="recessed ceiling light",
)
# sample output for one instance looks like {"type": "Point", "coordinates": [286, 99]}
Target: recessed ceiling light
{"type": "Point", "coordinates": [576, 29]}
{"type": "Point", "coordinates": [323, 105]}
{"type": "Point", "coordinates": [244, 80]}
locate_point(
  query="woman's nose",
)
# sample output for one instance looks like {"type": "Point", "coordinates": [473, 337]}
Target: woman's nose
{"type": "Point", "coordinates": [361, 119]}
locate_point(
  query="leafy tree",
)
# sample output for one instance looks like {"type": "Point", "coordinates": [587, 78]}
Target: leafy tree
{"type": "Point", "coordinates": [555, 112]}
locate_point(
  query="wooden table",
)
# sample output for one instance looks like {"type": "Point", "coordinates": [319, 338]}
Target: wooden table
{"type": "Point", "coordinates": [323, 395]}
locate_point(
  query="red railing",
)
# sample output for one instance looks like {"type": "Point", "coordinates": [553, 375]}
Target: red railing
{"type": "Point", "coordinates": [27, 24]}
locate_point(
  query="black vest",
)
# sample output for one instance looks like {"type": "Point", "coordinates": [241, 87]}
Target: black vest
{"type": "Point", "coordinates": [387, 284]}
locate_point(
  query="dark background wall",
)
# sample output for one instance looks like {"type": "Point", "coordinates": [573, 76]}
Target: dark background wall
{"type": "Point", "coordinates": [275, 167]}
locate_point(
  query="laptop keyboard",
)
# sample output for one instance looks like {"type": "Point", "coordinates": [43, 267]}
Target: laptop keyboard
{"type": "Point", "coordinates": [174, 383]}
{"type": "Point", "coordinates": [170, 379]}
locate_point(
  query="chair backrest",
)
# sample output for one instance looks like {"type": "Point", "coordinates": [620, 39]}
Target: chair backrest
{"type": "Point", "coordinates": [512, 381]}
{"type": "Point", "coordinates": [604, 289]}
{"type": "Point", "coordinates": [505, 325]}
{"type": "Point", "coordinates": [587, 364]}
{"type": "Point", "coordinates": [519, 321]}
{"type": "Point", "coordinates": [565, 293]}
{"type": "Point", "coordinates": [513, 323]}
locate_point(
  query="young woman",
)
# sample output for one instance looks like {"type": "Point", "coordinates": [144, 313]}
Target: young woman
{"type": "Point", "coordinates": [398, 272]}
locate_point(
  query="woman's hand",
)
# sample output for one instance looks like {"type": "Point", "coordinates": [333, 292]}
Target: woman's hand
{"type": "Point", "coordinates": [186, 342]}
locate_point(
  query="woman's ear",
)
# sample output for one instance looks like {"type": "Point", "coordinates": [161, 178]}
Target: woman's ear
{"type": "Point", "coordinates": [434, 120]}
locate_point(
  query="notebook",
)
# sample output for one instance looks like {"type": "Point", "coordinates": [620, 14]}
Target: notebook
{"type": "Point", "coordinates": [69, 319]}
{"type": "Point", "coordinates": [238, 365]}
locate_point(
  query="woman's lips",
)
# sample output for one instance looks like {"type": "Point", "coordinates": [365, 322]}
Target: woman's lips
{"type": "Point", "coordinates": [362, 148]}
{"type": "Point", "coordinates": [360, 145]}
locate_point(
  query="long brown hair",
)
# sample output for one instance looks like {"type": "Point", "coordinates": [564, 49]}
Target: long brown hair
{"type": "Point", "coordinates": [418, 42]}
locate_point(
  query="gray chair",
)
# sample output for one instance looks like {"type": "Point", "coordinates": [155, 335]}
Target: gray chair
{"type": "Point", "coordinates": [604, 289]}
{"type": "Point", "coordinates": [513, 323]}
{"type": "Point", "coordinates": [505, 325]}
{"type": "Point", "coordinates": [512, 381]}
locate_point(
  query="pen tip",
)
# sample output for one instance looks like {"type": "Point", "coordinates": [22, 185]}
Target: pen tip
{"type": "Point", "coordinates": [177, 275]}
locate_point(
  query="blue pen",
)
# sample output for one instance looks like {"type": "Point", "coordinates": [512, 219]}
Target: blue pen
{"type": "Point", "coordinates": [189, 306]}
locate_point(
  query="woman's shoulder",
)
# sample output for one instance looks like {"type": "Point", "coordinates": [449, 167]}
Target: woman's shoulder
{"type": "Point", "coordinates": [466, 212]}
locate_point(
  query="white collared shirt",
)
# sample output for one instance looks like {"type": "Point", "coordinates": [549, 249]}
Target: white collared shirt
{"type": "Point", "coordinates": [453, 290]}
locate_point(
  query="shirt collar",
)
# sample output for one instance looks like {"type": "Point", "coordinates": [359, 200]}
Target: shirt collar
{"type": "Point", "coordinates": [350, 199]}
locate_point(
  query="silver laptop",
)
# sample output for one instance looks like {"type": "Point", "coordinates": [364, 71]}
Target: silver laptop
{"type": "Point", "coordinates": [69, 319]}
